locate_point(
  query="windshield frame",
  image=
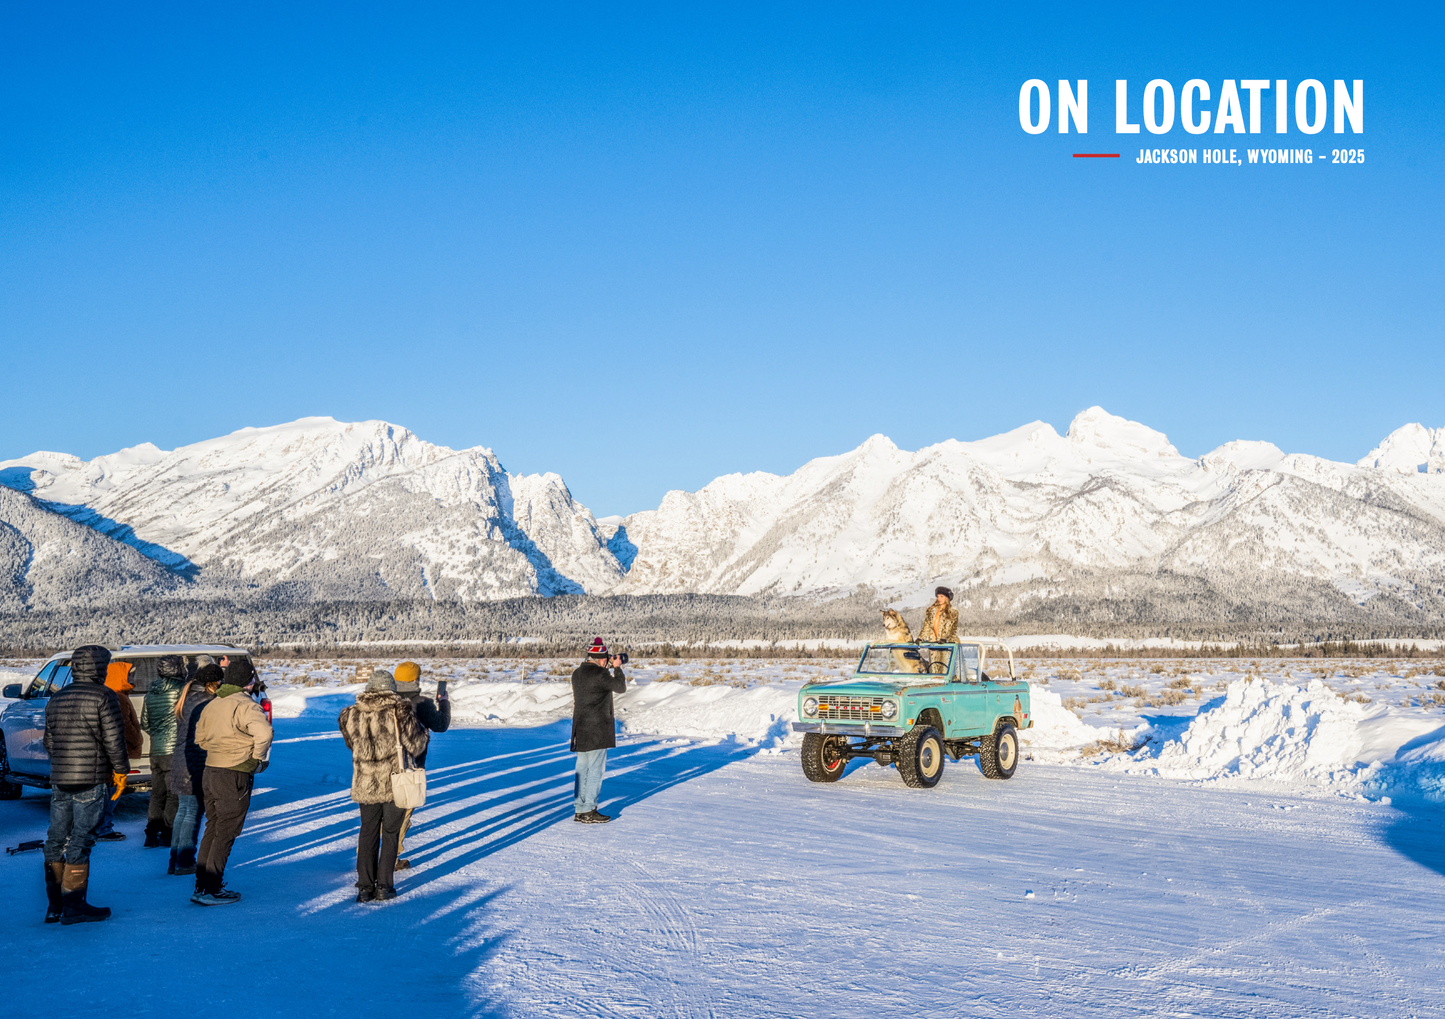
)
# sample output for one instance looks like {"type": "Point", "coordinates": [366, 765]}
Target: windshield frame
{"type": "Point", "coordinates": [916, 677]}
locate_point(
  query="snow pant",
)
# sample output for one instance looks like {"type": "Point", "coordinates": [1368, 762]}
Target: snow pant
{"type": "Point", "coordinates": [376, 845]}
{"type": "Point", "coordinates": [74, 820]}
{"type": "Point", "coordinates": [161, 812]}
{"type": "Point", "coordinates": [591, 766]}
{"type": "Point", "coordinates": [228, 797]}
{"type": "Point", "coordinates": [187, 822]}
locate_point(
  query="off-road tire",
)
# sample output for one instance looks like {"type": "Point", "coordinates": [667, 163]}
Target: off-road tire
{"type": "Point", "coordinates": [920, 757]}
{"type": "Point", "coordinates": [821, 762]}
{"type": "Point", "coordinates": [998, 755]}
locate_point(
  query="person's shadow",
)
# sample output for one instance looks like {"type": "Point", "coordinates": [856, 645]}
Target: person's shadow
{"type": "Point", "coordinates": [488, 789]}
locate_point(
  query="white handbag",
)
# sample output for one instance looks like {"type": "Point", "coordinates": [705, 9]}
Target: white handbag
{"type": "Point", "coordinates": [408, 785]}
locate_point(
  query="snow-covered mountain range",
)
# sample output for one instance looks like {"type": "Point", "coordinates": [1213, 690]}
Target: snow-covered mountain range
{"type": "Point", "coordinates": [332, 509]}
{"type": "Point", "coordinates": [320, 508]}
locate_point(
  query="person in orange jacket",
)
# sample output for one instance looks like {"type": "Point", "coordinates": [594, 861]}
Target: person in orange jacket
{"type": "Point", "coordinates": [117, 677]}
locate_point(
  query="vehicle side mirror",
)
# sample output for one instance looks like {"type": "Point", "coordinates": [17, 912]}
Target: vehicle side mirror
{"type": "Point", "coordinates": [11, 691]}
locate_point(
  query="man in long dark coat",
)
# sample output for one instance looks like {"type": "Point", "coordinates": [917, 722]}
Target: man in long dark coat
{"type": "Point", "coordinates": [594, 728]}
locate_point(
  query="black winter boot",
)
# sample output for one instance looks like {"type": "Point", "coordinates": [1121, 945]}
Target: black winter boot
{"type": "Point", "coordinates": [72, 897]}
{"type": "Point", "coordinates": [153, 837]}
{"type": "Point", "coordinates": [171, 867]}
{"type": "Point", "coordinates": [185, 862]}
{"type": "Point", "coordinates": [54, 872]}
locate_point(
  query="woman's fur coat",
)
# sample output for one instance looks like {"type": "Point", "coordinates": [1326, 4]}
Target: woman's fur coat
{"type": "Point", "coordinates": [370, 728]}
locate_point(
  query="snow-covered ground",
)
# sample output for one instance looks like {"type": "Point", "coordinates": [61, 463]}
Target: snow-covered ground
{"type": "Point", "coordinates": [1238, 864]}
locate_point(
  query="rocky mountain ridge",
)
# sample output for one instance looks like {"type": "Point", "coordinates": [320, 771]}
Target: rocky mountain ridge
{"type": "Point", "coordinates": [320, 509]}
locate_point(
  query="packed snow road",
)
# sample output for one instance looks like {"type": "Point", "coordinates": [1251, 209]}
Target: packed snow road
{"type": "Point", "coordinates": [729, 886]}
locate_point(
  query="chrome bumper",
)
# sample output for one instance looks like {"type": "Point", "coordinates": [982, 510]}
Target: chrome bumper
{"type": "Point", "coordinates": [850, 728]}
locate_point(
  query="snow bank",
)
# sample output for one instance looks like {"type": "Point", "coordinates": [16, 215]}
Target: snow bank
{"type": "Point", "coordinates": [1302, 736]}
{"type": "Point", "coordinates": [762, 714]}
{"type": "Point", "coordinates": [1417, 770]}
{"type": "Point", "coordinates": [1057, 733]}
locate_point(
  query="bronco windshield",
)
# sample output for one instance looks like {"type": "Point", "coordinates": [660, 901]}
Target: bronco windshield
{"type": "Point", "coordinates": [905, 660]}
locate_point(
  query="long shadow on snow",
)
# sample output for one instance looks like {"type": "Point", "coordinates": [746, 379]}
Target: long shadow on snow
{"type": "Point", "coordinates": [510, 785]}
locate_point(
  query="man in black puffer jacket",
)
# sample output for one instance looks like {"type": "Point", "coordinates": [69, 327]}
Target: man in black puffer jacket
{"type": "Point", "coordinates": [85, 738]}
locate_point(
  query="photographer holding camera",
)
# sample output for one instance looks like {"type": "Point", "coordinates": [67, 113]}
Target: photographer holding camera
{"type": "Point", "coordinates": [594, 729]}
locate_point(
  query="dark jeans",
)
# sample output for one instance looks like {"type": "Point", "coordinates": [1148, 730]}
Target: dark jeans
{"type": "Point", "coordinates": [228, 797]}
{"type": "Point", "coordinates": [376, 845]}
{"type": "Point", "coordinates": [107, 817]}
{"type": "Point", "coordinates": [161, 813]}
{"type": "Point", "coordinates": [74, 817]}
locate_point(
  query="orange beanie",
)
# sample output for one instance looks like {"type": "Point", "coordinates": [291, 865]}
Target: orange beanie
{"type": "Point", "coordinates": [407, 672]}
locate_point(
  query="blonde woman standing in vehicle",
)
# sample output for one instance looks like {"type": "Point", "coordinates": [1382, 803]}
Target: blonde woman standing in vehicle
{"type": "Point", "coordinates": [940, 625]}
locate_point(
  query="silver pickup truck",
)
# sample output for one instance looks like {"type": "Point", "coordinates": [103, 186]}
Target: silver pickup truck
{"type": "Point", "coordinates": [23, 760]}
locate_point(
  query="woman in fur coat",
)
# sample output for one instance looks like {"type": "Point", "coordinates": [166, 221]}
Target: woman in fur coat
{"type": "Point", "coordinates": [940, 626]}
{"type": "Point", "coordinates": [371, 728]}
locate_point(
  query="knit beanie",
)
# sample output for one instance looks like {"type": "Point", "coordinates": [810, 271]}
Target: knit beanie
{"type": "Point", "coordinates": [381, 681]}
{"type": "Point", "coordinates": [598, 649]}
{"type": "Point", "coordinates": [407, 676]}
{"type": "Point", "coordinates": [209, 673]}
{"type": "Point", "coordinates": [170, 666]}
{"type": "Point", "coordinates": [240, 672]}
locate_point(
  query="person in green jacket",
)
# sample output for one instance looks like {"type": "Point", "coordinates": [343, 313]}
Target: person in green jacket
{"type": "Point", "coordinates": [158, 718]}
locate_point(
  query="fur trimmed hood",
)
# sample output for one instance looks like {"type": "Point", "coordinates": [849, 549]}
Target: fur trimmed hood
{"type": "Point", "coordinates": [370, 728]}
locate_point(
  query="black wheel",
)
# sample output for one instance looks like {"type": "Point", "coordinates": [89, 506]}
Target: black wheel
{"type": "Point", "coordinates": [8, 790]}
{"type": "Point", "coordinates": [920, 757]}
{"type": "Point", "coordinates": [998, 755]}
{"type": "Point", "coordinates": [821, 760]}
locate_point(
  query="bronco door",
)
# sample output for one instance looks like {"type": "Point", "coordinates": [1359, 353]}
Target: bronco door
{"type": "Point", "coordinates": [970, 711]}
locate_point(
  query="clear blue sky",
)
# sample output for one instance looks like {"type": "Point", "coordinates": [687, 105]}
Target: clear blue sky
{"type": "Point", "coordinates": [645, 246]}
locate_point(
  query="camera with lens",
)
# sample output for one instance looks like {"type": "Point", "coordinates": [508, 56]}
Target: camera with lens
{"type": "Point", "coordinates": [622, 658]}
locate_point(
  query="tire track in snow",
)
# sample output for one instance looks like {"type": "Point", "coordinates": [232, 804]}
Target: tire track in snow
{"type": "Point", "coordinates": [1266, 933]}
{"type": "Point", "coordinates": [659, 901]}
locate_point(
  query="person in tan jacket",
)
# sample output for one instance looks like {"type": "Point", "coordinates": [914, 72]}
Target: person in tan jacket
{"type": "Point", "coordinates": [236, 737]}
{"type": "Point", "coordinates": [940, 626]}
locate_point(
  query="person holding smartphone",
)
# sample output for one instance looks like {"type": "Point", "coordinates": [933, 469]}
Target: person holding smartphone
{"type": "Point", "coordinates": [435, 715]}
{"type": "Point", "coordinates": [594, 726]}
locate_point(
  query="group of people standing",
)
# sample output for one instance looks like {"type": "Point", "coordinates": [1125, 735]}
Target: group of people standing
{"type": "Point", "coordinates": [208, 741]}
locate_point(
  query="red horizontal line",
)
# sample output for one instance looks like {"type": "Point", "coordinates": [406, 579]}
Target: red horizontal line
{"type": "Point", "coordinates": [1096, 155]}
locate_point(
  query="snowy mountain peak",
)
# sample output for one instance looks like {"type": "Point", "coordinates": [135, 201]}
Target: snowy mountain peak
{"type": "Point", "coordinates": [1243, 455]}
{"type": "Point", "coordinates": [1412, 449]}
{"type": "Point", "coordinates": [1096, 428]}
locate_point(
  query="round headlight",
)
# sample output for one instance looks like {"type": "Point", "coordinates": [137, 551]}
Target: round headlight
{"type": "Point", "coordinates": [890, 709]}
{"type": "Point", "coordinates": [810, 706]}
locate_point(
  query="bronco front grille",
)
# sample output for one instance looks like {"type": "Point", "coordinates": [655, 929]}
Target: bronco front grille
{"type": "Point", "coordinates": [837, 708]}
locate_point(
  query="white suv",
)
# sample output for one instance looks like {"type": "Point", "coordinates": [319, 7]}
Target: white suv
{"type": "Point", "coordinates": [23, 760]}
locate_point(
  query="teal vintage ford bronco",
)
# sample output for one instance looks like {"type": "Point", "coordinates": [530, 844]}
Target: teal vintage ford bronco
{"type": "Point", "coordinates": [912, 704]}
